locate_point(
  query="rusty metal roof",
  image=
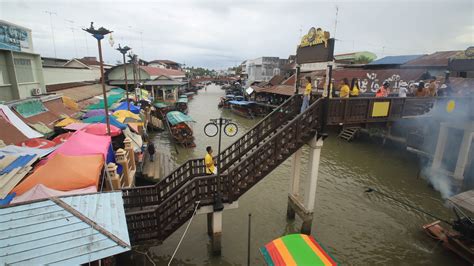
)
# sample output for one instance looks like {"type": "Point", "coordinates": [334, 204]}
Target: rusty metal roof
{"type": "Point", "coordinates": [438, 59]}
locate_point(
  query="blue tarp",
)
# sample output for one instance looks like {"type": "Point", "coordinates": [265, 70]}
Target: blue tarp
{"type": "Point", "coordinates": [123, 106]}
{"type": "Point", "coordinates": [19, 162]}
{"type": "Point", "coordinates": [241, 102]}
{"type": "Point", "coordinates": [7, 199]}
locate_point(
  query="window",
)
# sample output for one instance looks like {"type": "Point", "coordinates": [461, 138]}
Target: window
{"type": "Point", "coordinates": [1, 78]}
{"type": "Point", "coordinates": [24, 70]}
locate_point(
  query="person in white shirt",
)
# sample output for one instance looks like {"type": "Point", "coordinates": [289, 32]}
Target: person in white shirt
{"type": "Point", "coordinates": [402, 91]}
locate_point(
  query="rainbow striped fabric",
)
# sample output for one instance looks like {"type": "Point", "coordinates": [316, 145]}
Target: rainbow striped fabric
{"type": "Point", "coordinates": [295, 249]}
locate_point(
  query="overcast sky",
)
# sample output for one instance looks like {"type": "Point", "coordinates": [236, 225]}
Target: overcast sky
{"type": "Point", "coordinates": [219, 34]}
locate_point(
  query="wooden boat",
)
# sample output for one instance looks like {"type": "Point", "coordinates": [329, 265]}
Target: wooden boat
{"type": "Point", "coordinates": [244, 108]}
{"type": "Point", "coordinates": [182, 105]}
{"type": "Point", "coordinates": [161, 109]}
{"type": "Point", "coordinates": [459, 239]}
{"type": "Point", "coordinates": [180, 131]}
{"type": "Point", "coordinates": [224, 102]}
{"type": "Point", "coordinates": [190, 95]}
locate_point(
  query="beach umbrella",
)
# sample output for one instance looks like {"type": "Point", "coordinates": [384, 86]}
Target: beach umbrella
{"type": "Point", "coordinates": [62, 138]}
{"type": "Point", "coordinates": [296, 249]}
{"type": "Point", "coordinates": [96, 112]}
{"type": "Point", "coordinates": [38, 143]}
{"type": "Point", "coordinates": [101, 129]}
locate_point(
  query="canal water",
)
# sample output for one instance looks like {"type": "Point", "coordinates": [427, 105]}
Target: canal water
{"type": "Point", "coordinates": [355, 228]}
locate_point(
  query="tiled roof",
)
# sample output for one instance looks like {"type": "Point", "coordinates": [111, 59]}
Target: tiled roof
{"type": "Point", "coordinates": [435, 59]}
{"type": "Point", "coordinates": [277, 79]}
{"type": "Point", "coordinates": [168, 62]}
{"type": "Point", "coordinates": [394, 60]}
{"type": "Point", "coordinates": [156, 71]}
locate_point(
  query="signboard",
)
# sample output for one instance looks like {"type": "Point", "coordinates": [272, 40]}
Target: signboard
{"type": "Point", "coordinates": [316, 46]}
{"type": "Point", "coordinates": [13, 38]}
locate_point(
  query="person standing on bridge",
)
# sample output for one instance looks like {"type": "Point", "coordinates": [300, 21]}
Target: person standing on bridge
{"type": "Point", "coordinates": [344, 89]}
{"type": "Point", "coordinates": [354, 88]}
{"type": "Point", "coordinates": [209, 161]}
{"type": "Point", "coordinates": [306, 94]}
{"type": "Point", "coordinates": [383, 91]}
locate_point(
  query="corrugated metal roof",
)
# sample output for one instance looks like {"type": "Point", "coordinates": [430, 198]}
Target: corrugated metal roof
{"type": "Point", "coordinates": [62, 231]}
{"type": "Point", "coordinates": [435, 59]}
{"type": "Point", "coordinates": [394, 60]}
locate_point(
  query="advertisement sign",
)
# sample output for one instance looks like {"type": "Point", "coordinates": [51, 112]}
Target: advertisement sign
{"type": "Point", "coordinates": [13, 38]}
{"type": "Point", "coordinates": [316, 46]}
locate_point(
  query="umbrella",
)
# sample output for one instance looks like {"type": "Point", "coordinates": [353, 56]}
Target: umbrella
{"type": "Point", "coordinates": [121, 115]}
{"type": "Point", "coordinates": [38, 143]}
{"type": "Point", "coordinates": [123, 106]}
{"type": "Point", "coordinates": [101, 129]}
{"type": "Point", "coordinates": [91, 113]}
{"type": "Point", "coordinates": [62, 138]}
{"type": "Point", "coordinates": [66, 121]}
{"type": "Point", "coordinates": [295, 249]}
{"type": "Point", "coordinates": [101, 119]}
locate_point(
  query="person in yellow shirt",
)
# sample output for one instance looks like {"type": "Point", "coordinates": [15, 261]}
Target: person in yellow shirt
{"type": "Point", "coordinates": [306, 94]}
{"type": "Point", "coordinates": [209, 161]}
{"type": "Point", "coordinates": [344, 89]}
{"type": "Point", "coordinates": [354, 88]}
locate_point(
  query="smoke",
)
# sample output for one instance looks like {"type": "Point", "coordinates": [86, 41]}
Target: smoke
{"type": "Point", "coordinates": [441, 182]}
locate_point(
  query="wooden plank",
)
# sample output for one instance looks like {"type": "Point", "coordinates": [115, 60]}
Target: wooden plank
{"type": "Point", "coordinates": [89, 222]}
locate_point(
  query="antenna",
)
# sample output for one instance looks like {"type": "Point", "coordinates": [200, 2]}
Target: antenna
{"type": "Point", "coordinates": [73, 35]}
{"type": "Point", "coordinates": [52, 30]}
{"type": "Point", "coordinates": [335, 22]}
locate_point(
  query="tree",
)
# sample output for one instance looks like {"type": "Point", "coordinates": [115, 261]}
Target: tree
{"type": "Point", "coordinates": [363, 60]}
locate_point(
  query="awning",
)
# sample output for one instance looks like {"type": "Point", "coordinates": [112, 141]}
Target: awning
{"type": "Point", "coordinates": [64, 172]}
{"type": "Point", "coordinates": [18, 123]}
{"type": "Point", "coordinates": [102, 119]}
{"type": "Point", "coordinates": [183, 100]}
{"type": "Point", "coordinates": [464, 200]}
{"type": "Point", "coordinates": [123, 106]}
{"type": "Point", "coordinates": [176, 117]}
{"type": "Point", "coordinates": [83, 143]}
{"type": "Point", "coordinates": [241, 102]}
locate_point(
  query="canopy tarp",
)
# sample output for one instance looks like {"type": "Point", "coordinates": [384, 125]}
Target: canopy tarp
{"type": "Point", "coordinates": [83, 143]}
{"type": "Point", "coordinates": [76, 126]}
{"type": "Point", "coordinates": [137, 142]}
{"type": "Point", "coordinates": [183, 96]}
{"type": "Point", "coordinates": [30, 108]}
{"type": "Point", "coordinates": [243, 103]}
{"type": "Point", "coordinates": [176, 117]}
{"type": "Point", "coordinates": [95, 112]}
{"type": "Point", "coordinates": [162, 104]}
{"type": "Point", "coordinates": [18, 123]}
{"type": "Point", "coordinates": [111, 99]}
{"type": "Point", "coordinates": [70, 103]}
{"type": "Point", "coordinates": [41, 191]}
{"type": "Point", "coordinates": [61, 138]}
{"type": "Point", "coordinates": [123, 106]}
{"type": "Point", "coordinates": [182, 100]}
{"type": "Point", "coordinates": [464, 200]}
{"type": "Point", "coordinates": [16, 150]}
{"type": "Point", "coordinates": [66, 121]}
{"type": "Point", "coordinates": [38, 143]}
{"type": "Point", "coordinates": [121, 115]}
{"type": "Point", "coordinates": [65, 173]}
{"type": "Point", "coordinates": [295, 249]}
{"type": "Point", "coordinates": [102, 119]}
{"type": "Point", "coordinates": [100, 129]}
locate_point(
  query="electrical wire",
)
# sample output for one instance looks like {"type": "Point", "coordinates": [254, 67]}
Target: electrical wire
{"type": "Point", "coordinates": [185, 231]}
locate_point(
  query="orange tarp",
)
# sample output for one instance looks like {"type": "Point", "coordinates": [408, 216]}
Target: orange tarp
{"type": "Point", "coordinates": [65, 173]}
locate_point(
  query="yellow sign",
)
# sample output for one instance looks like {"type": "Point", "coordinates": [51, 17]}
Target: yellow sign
{"type": "Point", "coordinates": [315, 37]}
{"type": "Point", "coordinates": [380, 109]}
{"type": "Point", "coordinates": [450, 106]}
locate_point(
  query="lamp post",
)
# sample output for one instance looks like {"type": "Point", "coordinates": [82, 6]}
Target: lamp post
{"type": "Point", "coordinates": [212, 129]}
{"type": "Point", "coordinates": [99, 35]}
{"type": "Point", "coordinates": [123, 51]}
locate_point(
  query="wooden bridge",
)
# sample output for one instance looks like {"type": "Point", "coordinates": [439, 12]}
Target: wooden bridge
{"type": "Point", "coordinates": [155, 212]}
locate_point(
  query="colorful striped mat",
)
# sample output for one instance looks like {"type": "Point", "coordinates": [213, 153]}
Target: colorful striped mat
{"type": "Point", "coordinates": [296, 249]}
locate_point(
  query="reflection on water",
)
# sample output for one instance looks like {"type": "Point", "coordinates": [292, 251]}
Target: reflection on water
{"type": "Point", "coordinates": [354, 227]}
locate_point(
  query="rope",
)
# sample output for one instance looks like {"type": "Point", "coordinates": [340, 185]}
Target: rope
{"type": "Point", "coordinates": [185, 231]}
{"type": "Point", "coordinates": [146, 255]}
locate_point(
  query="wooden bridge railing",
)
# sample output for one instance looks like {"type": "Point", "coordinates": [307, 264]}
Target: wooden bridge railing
{"type": "Point", "coordinates": [154, 194]}
{"type": "Point", "coordinates": [174, 198]}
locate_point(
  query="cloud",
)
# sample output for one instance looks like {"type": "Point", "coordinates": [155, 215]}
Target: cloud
{"type": "Point", "coordinates": [220, 34]}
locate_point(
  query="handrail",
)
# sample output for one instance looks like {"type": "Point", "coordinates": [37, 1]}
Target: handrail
{"type": "Point", "coordinates": [153, 194]}
{"type": "Point", "coordinates": [172, 212]}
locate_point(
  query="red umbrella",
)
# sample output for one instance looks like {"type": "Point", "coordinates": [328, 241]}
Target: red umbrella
{"type": "Point", "coordinates": [62, 138]}
{"type": "Point", "coordinates": [101, 129]}
{"type": "Point", "coordinates": [38, 143]}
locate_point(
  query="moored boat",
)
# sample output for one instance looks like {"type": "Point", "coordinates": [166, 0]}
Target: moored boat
{"type": "Point", "coordinates": [243, 108]}
{"type": "Point", "coordinates": [190, 95]}
{"type": "Point", "coordinates": [161, 109]}
{"type": "Point", "coordinates": [224, 102]}
{"type": "Point", "coordinates": [182, 105]}
{"type": "Point", "coordinates": [180, 130]}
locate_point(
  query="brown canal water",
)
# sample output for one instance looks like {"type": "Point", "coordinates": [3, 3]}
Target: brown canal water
{"type": "Point", "coordinates": [355, 228]}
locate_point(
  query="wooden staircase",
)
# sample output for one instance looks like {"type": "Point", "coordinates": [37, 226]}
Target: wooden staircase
{"type": "Point", "coordinates": [349, 133]}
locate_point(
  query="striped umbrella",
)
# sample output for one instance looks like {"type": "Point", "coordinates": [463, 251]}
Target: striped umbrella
{"type": "Point", "coordinates": [295, 249]}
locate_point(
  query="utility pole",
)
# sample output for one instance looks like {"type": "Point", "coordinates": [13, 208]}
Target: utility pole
{"type": "Point", "coordinates": [73, 35]}
{"type": "Point", "coordinates": [335, 22]}
{"type": "Point", "coordinates": [52, 30]}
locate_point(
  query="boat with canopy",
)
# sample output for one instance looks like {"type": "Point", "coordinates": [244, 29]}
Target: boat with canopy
{"type": "Point", "coordinates": [180, 129]}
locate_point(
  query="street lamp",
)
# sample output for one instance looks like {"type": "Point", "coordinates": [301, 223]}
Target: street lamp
{"type": "Point", "coordinates": [99, 35]}
{"type": "Point", "coordinates": [212, 129]}
{"type": "Point", "coordinates": [123, 51]}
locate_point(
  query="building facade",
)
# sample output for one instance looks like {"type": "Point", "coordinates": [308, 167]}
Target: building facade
{"type": "Point", "coordinates": [21, 72]}
{"type": "Point", "coordinates": [262, 69]}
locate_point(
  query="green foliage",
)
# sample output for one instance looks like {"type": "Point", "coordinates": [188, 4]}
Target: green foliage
{"type": "Point", "coordinates": [363, 60]}
{"type": "Point", "coordinates": [199, 71]}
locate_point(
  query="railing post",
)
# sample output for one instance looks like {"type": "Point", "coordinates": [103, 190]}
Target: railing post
{"type": "Point", "coordinates": [114, 178]}
{"type": "Point", "coordinates": [121, 158]}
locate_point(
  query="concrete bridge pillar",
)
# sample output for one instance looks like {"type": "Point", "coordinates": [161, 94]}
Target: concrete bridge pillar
{"type": "Point", "coordinates": [295, 205]}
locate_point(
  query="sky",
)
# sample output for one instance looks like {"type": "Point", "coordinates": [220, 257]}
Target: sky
{"type": "Point", "coordinates": [220, 34]}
